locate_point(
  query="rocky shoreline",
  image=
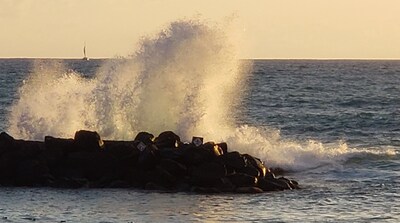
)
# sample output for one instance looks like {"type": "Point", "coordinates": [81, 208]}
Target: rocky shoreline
{"type": "Point", "coordinates": [161, 163]}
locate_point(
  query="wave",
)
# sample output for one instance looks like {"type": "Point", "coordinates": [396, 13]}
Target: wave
{"type": "Point", "coordinates": [187, 79]}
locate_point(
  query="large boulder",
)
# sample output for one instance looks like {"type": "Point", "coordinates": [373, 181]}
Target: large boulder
{"type": "Point", "coordinates": [243, 180]}
{"type": "Point", "coordinates": [145, 137]}
{"type": "Point", "coordinates": [7, 143]}
{"type": "Point", "coordinates": [88, 141]}
{"type": "Point", "coordinates": [167, 139]}
{"type": "Point", "coordinates": [257, 164]}
{"type": "Point", "coordinates": [233, 161]}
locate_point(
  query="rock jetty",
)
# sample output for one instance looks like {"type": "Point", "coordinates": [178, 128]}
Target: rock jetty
{"type": "Point", "coordinates": [162, 163]}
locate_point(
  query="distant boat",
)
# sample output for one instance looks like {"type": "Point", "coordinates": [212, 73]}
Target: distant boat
{"type": "Point", "coordinates": [84, 53]}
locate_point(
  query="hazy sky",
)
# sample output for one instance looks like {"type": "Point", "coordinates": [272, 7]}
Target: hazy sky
{"type": "Point", "coordinates": [269, 28]}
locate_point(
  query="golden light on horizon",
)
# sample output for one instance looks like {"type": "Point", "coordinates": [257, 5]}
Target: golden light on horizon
{"type": "Point", "coordinates": [269, 29]}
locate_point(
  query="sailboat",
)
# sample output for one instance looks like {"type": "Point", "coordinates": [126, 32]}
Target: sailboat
{"type": "Point", "coordinates": [84, 52]}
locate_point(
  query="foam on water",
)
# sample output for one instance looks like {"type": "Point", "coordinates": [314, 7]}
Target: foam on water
{"type": "Point", "coordinates": [185, 79]}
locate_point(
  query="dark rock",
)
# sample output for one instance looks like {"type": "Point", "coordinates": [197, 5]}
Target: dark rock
{"type": "Point", "coordinates": [88, 141]}
{"type": "Point", "coordinates": [165, 178]}
{"type": "Point", "coordinates": [56, 149]}
{"type": "Point", "coordinates": [148, 158]}
{"type": "Point", "coordinates": [88, 165]}
{"type": "Point", "coordinates": [125, 154]}
{"type": "Point", "coordinates": [208, 174]}
{"type": "Point", "coordinates": [250, 170]}
{"type": "Point", "coordinates": [213, 149]}
{"type": "Point", "coordinates": [30, 173]}
{"type": "Point", "coordinates": [192, 155]}
{"type": "Point", "coordinates": [292, 184]}
{"type": "Point", "coordinates": [273, 184]}
{"type": "Point", "coordinates": [122, 151]}
{"type": "Point", "coordinates": [171, 153]}
{"type": "Point", "coordinates": [256, 163]}
{"type": "Point", "coordinates": [243, 180]}
{"type": "Point", "coordinates": [167, 139]}
{"type": "Point", "coordinates": [175, 168]}
{"type": "Point", "coordinates": [277, 171]}
{"type": "Point", "coordinates": [7, 143]}
{"type": "Point", "coordinates": [233, 160]}
{"type": "Point", "coordinates": [224, 147]}
{"type": "Point", "coordinates": [145, 137]}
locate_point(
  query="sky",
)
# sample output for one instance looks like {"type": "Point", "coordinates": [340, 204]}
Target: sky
{"type": "Point", "coordinates": [294, 29]}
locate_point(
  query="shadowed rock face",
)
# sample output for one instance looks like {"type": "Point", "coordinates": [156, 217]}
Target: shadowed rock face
{"type": "Point", "coordinates": [161, 163]}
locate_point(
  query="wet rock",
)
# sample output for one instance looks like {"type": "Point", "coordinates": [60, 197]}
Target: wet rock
{"type": "Point", "coordinates": [224, 147]}
{"type": "Point", "coordinates": [7, 143]}
{"type": "Point", "coordinates": [233, 160]}
{"type": "Point", "coordinates": [175, 168]}
{"type": "Point", "coordinates": [208, 174]}
{"type": "Point", "coordinates": [273, 184]}
{"type": "Point", "coordinates": [243, 180]}
{"type": "Point", "coordinates": [250, 170]}
{"type": "Point", "coordinates": [145, 137]}
{"type": "Point", "coordinates": [257, 164]}
{"type": "Point", "coordinates": [56, 150]}
{"type": "Point", "coordinates": [148, 158]}
{"type": "Point", "coordinates": [292, 184]}
{"type": "Point", "coordinates": [30, 173]}
{"type": "Point", "coordinates": [88, 141]}
{"type": "Point", "coordinates": [277, 171]}
{"type": "Point", "coordinates": [192, 155]}
{"type": "Point", "coordinates": [212, 148]}
{"type": "Point", "coordinates": [167, 139]}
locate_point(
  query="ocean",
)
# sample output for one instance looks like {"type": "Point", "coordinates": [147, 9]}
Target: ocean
{"type": "Point", "coordinates": [333, 125]}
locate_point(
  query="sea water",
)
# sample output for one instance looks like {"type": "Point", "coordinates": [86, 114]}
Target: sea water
{"type": "Point", "coordinates": [334, 125]}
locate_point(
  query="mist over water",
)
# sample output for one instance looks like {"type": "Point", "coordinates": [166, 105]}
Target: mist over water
{"type": "Point", "coordinates": [187, 78]}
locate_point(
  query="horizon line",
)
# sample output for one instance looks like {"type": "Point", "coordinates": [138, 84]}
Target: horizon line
{"type": "Point", "coordinates": [256, 58]}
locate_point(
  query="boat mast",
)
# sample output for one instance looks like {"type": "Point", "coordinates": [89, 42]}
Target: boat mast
{"type": "Point", "coordinates": [84, 49]}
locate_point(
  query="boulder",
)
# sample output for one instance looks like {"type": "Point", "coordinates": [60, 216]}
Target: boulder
{"type": "Point", "coordinates": [145, 137]}
{"type": "Point", "coordinates": [256, 163]}
{"type": "Point", "coordinates": [148, 157]}
{"type": "Point", "coordinates": [243, 180]}
{"type": "Point", "coordinates": [224, 147]}
{"type": "Point", "coordinates": [213, 148]}
{"type": "Point", "coordinates": [175, 168]}
{"type": "Point", "coordinates": [233, 160]}
{"type": "Point", "coordinates": [167, 139]}
{"type": "Point", "coordinates": [7, 142]}
{"type": "Point", "coordinates": [192, 155]}
{"type": "Point", "coordinates": [88, 141]}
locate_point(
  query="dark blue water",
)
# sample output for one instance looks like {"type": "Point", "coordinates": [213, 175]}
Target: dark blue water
{"type": "Point", "coordinates": [335, 124]}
